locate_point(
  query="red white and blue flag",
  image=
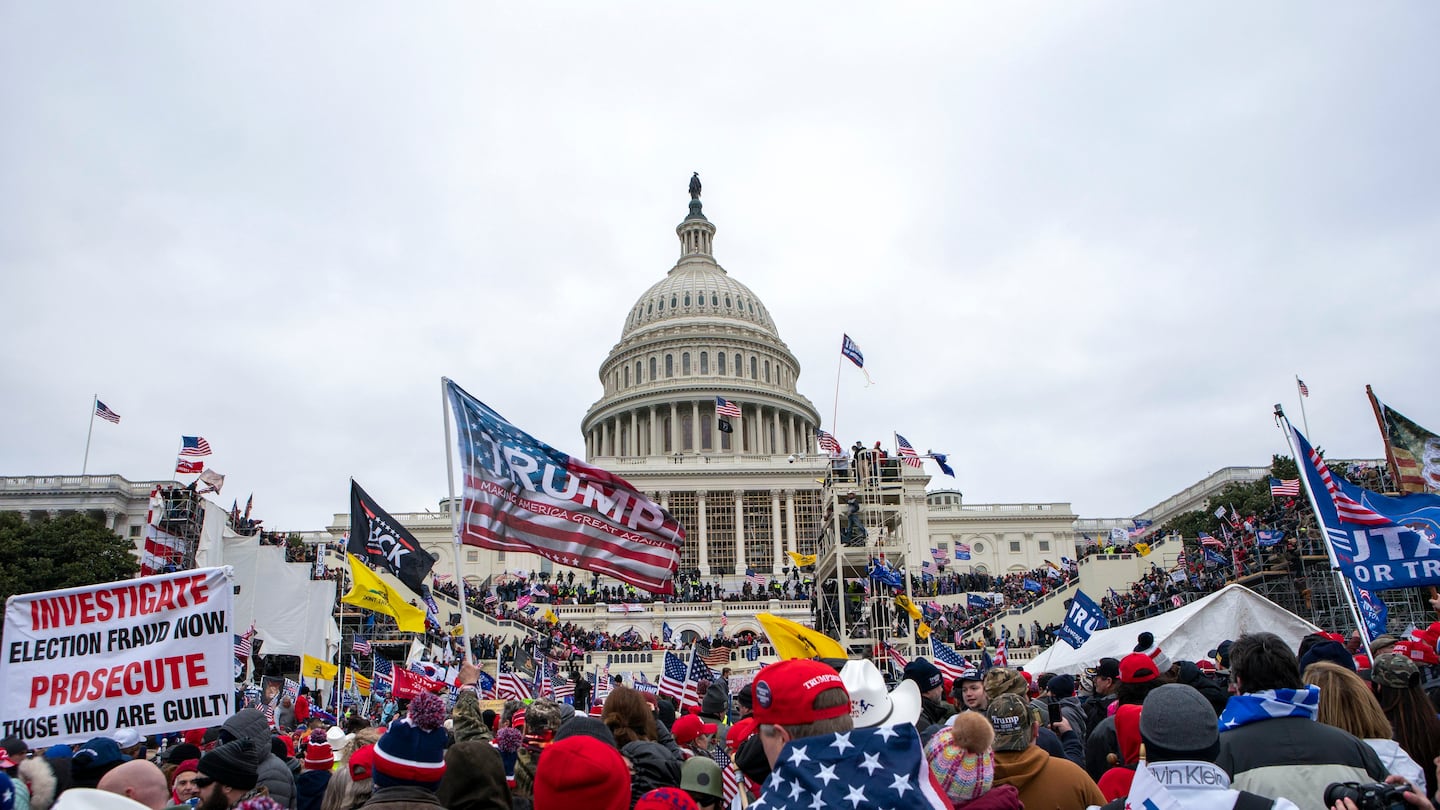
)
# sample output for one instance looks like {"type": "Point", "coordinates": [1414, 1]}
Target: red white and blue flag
{"type": "Point", "coordinates": [523, 495]}
{"type": "Point", "coordinates": [1207, 540]}
{"type": "Point", "coordinates": [105, 413]}
{"type": "Point", "coordinates": [675, 681]}
{"type": "Point", "coordinates": [194, 446]}
{"type": "Point", "coordinates": [949, 662]}
{"type": "Point", "coordinates": [863, 768]}
{"type": "Point", "coordinates": [185, 466]}
{"type": "Point", "coordinates": [826, 441]}
{"type": "Point", "coordinates": [1002, 653]}
{"type": "Point", "coordinates": [907, 452]}
{"type": "Point", "coordinates": [724, 407]}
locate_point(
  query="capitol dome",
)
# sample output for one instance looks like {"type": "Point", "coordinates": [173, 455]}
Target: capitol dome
{"type": "Point", "coordinates": [695, 335]}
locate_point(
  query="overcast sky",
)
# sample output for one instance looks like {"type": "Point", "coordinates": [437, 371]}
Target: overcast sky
{"type": "Point", "coordinates": [1084, 246]}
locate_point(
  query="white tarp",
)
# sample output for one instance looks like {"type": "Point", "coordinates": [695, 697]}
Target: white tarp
{"type": "Point", "coordinates": [292, 613]}
{"type": "Point", "coordinates": [1188, 633]}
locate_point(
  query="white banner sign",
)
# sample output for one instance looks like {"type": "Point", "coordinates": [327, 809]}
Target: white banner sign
{"type": "Point", "coordinates": [151, 654]}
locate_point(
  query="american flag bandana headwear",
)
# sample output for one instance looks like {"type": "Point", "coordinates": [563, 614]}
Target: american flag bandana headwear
{"type": "Point", "coordinates": [907, 451]}
{"type": "Point", "coordinates": [863, 769]}
{"type": "Point", "coordinates": [523, 495]}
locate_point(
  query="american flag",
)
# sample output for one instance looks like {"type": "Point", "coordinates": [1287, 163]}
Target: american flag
{"type": "Point", "coordinates": [907, 452]}
{"type": "Point", "coordinates": [1002, 655]}
{"type": "Point", "coordinates": [1304, 389]}
{"type": "Point", "coordinates": [1207, 540]}
{"type": "Point", "coordinates": [562, 687]}
{"type": "Point", "coordinates": [948, 661]}
{"type": "Point", "coordinates": [1347, 509]}
{"type": "Point", "coordinates": [603, 685]}
{"type": "Point", "coordinates": [1181, 559]}
{"type": "Point", "coordinates": [927, 567]}
{"type": "Point", "coordinates": [699, 671]}
{"type": "Point", "coordinates": [754, 578]}
{"type": "Point", "coordinates": [245, 644]}
{"type": "Point", "coordinates": [585, 517]}
{"type": "Point", "coordinates": [724, 407]}
{"type": "Point", "coordinates": [491, 598]}
{"type": "Point", "coordinates": [716, 656]}
{"type": "Point", "coordinates": [937, 555]}
{"type": "Point", "coordinates": [826, 441]}
{"type": "Point", "coordinates": [105, 413]}
{"type": "Point", "coordinates": [895, 655]}
{"type": "Point", "coordinates": [512, 685]}
{"type": "Point", "coordinates": [673, 677]}
{"type": "Point", "coordinates": [1290, 486]}
{"type": "Point", "coordinates": [382, 669]}
{"type": "Point", "coordinates": [962, 551]}
{"type": "Point", "coordinates": [194, 446]}
{"type": "Point", "coordinates": [729, 775]}
{"type": "Point", "coordinates": [360, 645]}
{"type": "Point", "coordinates": [863, 768]}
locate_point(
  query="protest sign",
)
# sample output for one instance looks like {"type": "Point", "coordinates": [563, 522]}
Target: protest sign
{"type": "Point", "coordinates": [151, 655]}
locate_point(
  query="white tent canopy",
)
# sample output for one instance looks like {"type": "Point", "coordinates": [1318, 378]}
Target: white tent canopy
{"type": "Point", "coordinates": [1188, 633]}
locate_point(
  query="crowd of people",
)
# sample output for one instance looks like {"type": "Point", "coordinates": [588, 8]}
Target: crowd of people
{"type": "Point", "coordinates": [1261, 722]}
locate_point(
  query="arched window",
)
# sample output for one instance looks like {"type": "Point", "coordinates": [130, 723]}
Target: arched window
{"type": "Point", "coordinates": [714, 300]}
{"type": "Point", "coordinates": [661, 302]}
{"type": "Point", "coordinates": [739, 369]}
{"type": "Point", "coordinates": [669, 366]}
{"type": "Point", "coordinates": [685, 364]}
{"type": "Point", "coordinates": [687, 299]}
{"type": "Point", "coordinates": [627, 376]}
{"type": "Point", "coordinates": [650, 308]}
{"type": "Point", "coordinates": [727, 302]}
{"type": "Point", "coordinates": [754, 366]}
{"type": "Point", "coordinates": [720, 364]}
{"type": "Point", "coordinates": [637, 372]}
{"type": "Point", "coordinates": [704, 362]}
{"type": "Point", "coordinates": [767, 371]}
{"type": "Point", "coordinates": [672, 302]}
{"type": "Point", "coordinates": [653, 375]}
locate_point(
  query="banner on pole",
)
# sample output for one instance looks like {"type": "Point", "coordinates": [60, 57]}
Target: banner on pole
{"type": "Point", "coordinates": [1084, 618]}
{"type": "Point", "coordinates": [152, 655]}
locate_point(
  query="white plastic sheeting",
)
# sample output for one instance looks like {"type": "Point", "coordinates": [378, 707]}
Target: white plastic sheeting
{"type": "Point", "coordinates": [1187, 633]}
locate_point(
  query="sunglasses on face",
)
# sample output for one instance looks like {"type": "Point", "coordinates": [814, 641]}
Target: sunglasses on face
{"type": "Point", "coordinates": [204, 781]}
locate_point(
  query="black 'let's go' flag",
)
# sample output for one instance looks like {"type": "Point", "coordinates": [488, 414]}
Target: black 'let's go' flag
{"type": "Point", "coordinates": [379, 539]}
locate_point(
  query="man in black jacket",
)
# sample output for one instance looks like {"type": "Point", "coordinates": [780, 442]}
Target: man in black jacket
{"type": "Point", "coordinates": [1270, 743]}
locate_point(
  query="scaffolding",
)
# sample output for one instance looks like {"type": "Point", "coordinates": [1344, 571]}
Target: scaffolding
{"type": "Point", "coordinates": [180, 514]}
{"type": "Point", "coordinates": [862, 524]}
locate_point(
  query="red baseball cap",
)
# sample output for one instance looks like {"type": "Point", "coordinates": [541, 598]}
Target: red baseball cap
{"type": "Point", "coordinates": [1138, 668]}
{"type": "Point", "coordinates": [688, 727]}
{"type": "Point", "coordinates": [739, 732]}
{"type": "Point", "coordinates": [785, 692]}
{"type": "Point", "coordinates": [1416, 651]}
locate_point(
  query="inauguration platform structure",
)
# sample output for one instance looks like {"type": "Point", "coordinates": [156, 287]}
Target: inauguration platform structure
{"type": "Point", "coordinates": [850, 607]}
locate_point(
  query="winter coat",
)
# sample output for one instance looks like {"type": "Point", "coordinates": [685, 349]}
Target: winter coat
{"type": "Point", "coordinates": [1000, 797]}
{"type": "Point", "coordinates": [474, 770]}
{"type": "Point", "coordinates": [933, 712]}
{"type": "Point", "coordinates": [655, 767]}
{"type": "Point", "coordinates": [310, 789]}
{"type": "Point", "coordinates": [1392, 756]}
{"type": "Point", "coordinates": [1101, 744]}
{"type": "Point", "coordinates": [1045, 781]}
{"type": "Point", "coordinates": [38, 775]}
{"type": "Point", "coordinates": [1098, 708]}
{"type": "Point", "coordinates": [1199, 786]}
{"type": "Point", "coordinates": [1193, 677]}
{"type": "Point", "coordinates": [275, 776]}
{"type": "Point", "coordinates": [1295, 757]}
{"type": "Point", "coordinates": [403, 797]}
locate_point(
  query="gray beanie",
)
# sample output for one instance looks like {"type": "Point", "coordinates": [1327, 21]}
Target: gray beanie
{"type": "Point", "coordinates": [1177, 722]}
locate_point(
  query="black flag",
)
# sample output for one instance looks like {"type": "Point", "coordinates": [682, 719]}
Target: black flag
{"type": "Point", "coordinates": [724, 425]}
{"type": "Point", "coordinates": [379, 539]}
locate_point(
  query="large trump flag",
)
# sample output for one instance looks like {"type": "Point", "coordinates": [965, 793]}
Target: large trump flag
{"type": "Point", "coordinates": [522, 495]}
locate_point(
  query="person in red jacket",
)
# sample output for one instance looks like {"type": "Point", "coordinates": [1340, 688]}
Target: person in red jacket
{"type": "Point", "coordinates": [302, 707]}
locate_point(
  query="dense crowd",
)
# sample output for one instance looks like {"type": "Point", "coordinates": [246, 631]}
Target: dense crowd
{"type": "Point", "coordinates": [1261, 723]}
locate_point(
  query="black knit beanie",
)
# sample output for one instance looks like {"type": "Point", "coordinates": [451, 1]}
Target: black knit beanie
{"type": "Point", "coordinates": [235, 764]}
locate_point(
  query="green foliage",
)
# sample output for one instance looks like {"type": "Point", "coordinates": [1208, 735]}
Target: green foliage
{"type": "Point", "coordinates": [1247, 499]}
{"type": "Point", "coordinates": [67, 552]}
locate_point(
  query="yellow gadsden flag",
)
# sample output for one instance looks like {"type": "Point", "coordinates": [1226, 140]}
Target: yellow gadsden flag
{"type": "Point", "coordinates": [371, 593]}
{"type": "Point", "coordinates": [794, 640]}
{"type": "Point", "coordinates": [312, 667]}
{"type": "Point", "coordinates": [903, 602]}
{"type": "Point", "coordinates": [803, 560]}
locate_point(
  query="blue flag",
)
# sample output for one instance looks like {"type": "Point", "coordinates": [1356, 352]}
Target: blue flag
{"type": "Point", "coordinates": [1032, 586]}
{"type": "Point", "coordinates": [975, 601]}
{"type": "Point", "coordinates": [665, 631]}
{"type": "Point", "coordinates": [1380, 542]}
{"type": "Point", "coordinates": [1372, 609]}
{"type": "Point", "coordinates": [962, 551]}
{"type": "Point", "coordinates": [487, 682]}
{"type": "Point", "coordinates": [1268, 539]}
{"type": "Point", "coordinates": [941, 458]}
{"type": "Point", "coordinates": [886, 575]}
{"type": "Point", "coordinates": [1084, 618]}
{"type": "Point", "coordinates": [1214, 558]}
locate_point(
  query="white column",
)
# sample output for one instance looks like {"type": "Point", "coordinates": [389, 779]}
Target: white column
{"type": "Point", "coordinates": [634, 448]}
{"type": "Point", "coordinates": [775, 527]}
{"type": "Point", "coordinates": [790, 519]}
{"type": "Point", "coordinates": [695, 425]}
{"type": "Point", "coordinates": [703, 529]}
{"type": "Point", "coordinates": [605, 438]}
{"type": "Point", "coordinates": [674, 429]}
{"type": "Point", "coordinates": [654, 448]}
{"type": "Point", "coordinates": [779, 434]}
{"type": "Point", "coordinates": [740, 532]}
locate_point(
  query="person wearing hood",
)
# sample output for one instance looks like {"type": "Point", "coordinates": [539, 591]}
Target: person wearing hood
{"type": "Point", "coordinates": [274, 775]}
{"type": "Point", "coordinates": [1042, 781]}
{"type": "Point", "coordinates": [1060, 691]}
{"type": "Point", "coordinates": [474, 771]}
{"type": "Point", "coordinates": [1190, 674]}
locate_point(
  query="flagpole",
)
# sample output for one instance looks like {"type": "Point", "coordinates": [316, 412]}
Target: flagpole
{"type": "Point", "coordinates": [1301, 396]}
{"type": "Point", "coordinates": [1384, 439]}
{"type": "Point", "coordinates": [835, 403]}
{"type": "Point", "coordinates": [454, 516]}
{"type": "Point", "coordinates": [1325, 534]}
{"type": "Point", "coordinates": [95, 403]}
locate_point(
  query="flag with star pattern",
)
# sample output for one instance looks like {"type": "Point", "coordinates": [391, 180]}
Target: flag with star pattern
{"type": "Point", "coordinates": [864, 769]}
